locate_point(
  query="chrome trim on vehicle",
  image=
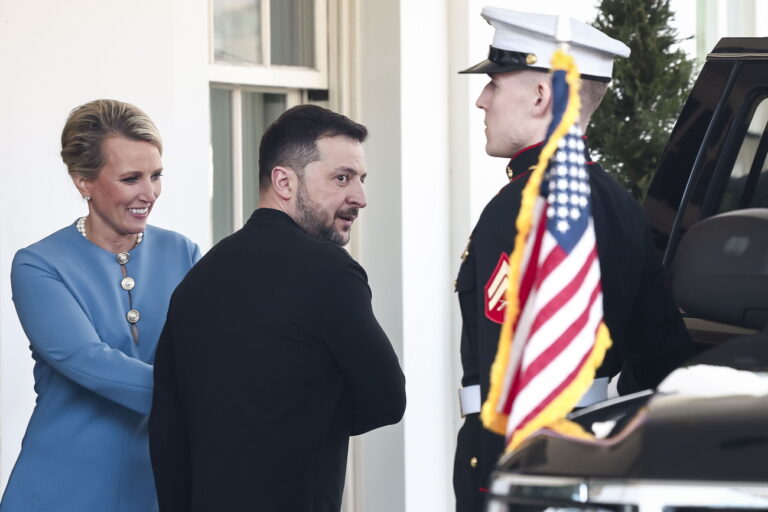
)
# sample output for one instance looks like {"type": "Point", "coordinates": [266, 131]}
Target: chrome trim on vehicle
{"type": "Point", "coordinates": [642, 495]}
{"type": "Point", "coordinates": [650, 495]}
{"type": "Point", "coordinates": [610, 402]}
{"type": "Point", "coordinates": [742, 56]}
{"type": "Point", "coordinates": [571, 490]}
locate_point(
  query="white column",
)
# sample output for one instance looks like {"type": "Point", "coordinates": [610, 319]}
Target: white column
{"type": "Point", "coordinates": [379, 455]}
{"type": "Point", "coordinates": [427, 277]}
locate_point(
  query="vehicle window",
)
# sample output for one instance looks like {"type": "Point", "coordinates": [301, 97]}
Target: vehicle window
{"type": "Point", "coordinates": [747, 186]}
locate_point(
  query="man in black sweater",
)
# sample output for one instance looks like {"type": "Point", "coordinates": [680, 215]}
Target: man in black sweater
{"type": "Point", "coordinates": [271, 356]}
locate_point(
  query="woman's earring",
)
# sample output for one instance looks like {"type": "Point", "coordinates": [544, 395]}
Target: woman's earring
{"type": "Point", "coordinates": [87, 198]}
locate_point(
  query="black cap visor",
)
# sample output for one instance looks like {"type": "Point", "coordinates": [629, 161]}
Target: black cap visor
{"type": "Point", "coordinates": [504, 61]}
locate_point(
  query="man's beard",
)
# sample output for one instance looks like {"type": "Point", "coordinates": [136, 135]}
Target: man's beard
{"type": "Point", "coordinates": [317, 223]}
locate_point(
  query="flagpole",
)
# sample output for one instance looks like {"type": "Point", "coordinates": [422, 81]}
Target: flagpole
{"type": "Point", "coordinates": [563, 34]}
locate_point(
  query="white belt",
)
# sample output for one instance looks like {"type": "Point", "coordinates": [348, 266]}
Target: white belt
{"type": "Point", "coordinates": [469, 397]}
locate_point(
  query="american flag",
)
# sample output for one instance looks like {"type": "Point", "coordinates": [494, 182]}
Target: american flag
{"type": "Point", "coordinates": [553, 338]}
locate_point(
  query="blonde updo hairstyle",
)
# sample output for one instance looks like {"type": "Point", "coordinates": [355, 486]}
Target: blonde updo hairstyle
{"type": "Point", "coordinates": [89, 125]}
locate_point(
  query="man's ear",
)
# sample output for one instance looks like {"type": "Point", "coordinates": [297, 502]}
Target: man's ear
{"type": "Point", "coordinates": [284, 182]}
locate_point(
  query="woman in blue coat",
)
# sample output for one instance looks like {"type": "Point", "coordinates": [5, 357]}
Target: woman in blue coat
{"type": "Point", "coordinates": [92, 299]}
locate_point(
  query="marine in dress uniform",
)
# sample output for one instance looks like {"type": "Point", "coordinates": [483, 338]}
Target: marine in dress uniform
{"type": "Point", "coordinates": [650, 339]}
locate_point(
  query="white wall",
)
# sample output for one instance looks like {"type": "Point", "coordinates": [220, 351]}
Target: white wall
{"type": "Point", "coordinates": [729, 18]}
{"type": "Point", "coordinates": [380, 479]}
{"type": "Point", "coordinates": [426, 256]}
{"type": "Point", "coordinates": [53, 57]}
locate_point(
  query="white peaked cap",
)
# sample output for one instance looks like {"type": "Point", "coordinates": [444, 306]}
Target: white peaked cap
{"type": "Point", "coordinates": [524, 40]}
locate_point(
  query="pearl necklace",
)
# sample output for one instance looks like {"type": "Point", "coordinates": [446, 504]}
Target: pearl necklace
{"type": "Point", "coordinates": [81, 228]}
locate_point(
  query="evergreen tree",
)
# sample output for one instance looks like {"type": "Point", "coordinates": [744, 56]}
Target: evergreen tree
{"type": "Point", "coordinates": [631, 127]}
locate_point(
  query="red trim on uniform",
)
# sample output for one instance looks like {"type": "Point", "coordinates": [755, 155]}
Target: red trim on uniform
{"type": "Point", "coordinates": [482, 489]}
{"type": "Point", "coordinates": [526, 149]}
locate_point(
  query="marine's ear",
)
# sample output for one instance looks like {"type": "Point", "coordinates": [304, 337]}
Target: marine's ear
{"type": "Point", "coordinates": [543, 98]}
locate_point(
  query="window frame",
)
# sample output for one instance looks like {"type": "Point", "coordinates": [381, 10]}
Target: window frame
{"type": "Point", "coordinates": [293, 97]}
{"type": "Point", "coordinates": [737, 131]}
{"type": "Point", "coordinates": [292, 81]}
{"type": "Point", "coordinates": [266, 74]}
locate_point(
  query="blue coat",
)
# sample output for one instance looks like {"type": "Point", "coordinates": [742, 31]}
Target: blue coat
{"type": "Point", "coordinates": [85, 448]}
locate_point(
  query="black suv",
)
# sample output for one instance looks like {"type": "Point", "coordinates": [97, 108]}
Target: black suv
{"type": "Point", "coordinates": [700, 441]}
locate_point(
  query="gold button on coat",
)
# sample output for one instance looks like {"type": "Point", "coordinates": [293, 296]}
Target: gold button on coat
{"type": "Point", "coordinates": [473, 462]}
{"type": "Point", "coordinates": [133, 316]}
{"type": "Point", "coordinates": [466, 251]}
{"type": "Point", "coordinates": [127, 283]}
{"type": "Point", "coordinates": [122, 257]}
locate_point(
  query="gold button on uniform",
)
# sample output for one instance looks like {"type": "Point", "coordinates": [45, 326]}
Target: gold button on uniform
{"type": "Point", "coordinates": [510, 173]}
{"type": "Point", "coordinates": [127, 283]}
{"type": "Point", "coordinates": [133, 316]}
{"type": "Point", "coordinates": [122, 257]}
{"type": "Point", "coordinates": [473, 462]}
{"type": "Point", "coordinates": [466, 252]}
{"type": "Point", "coordinates": [531, 59]}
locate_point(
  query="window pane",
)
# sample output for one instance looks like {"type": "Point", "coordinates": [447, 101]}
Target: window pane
{"type": "Point", "coordinates": [237, 31]}
{"type": "Point", "coordinates": [292, 25]}
{"type": "Point", "coordinates": [259, 110]}
{"type": "Point", "coordinates": [760, 199]}
{"type": "Point", "coordinates": [760, 122]}
{"type": "Point", "coordinates": [221, 158]}
{"type": "Point", "coordinates": [743, 191]}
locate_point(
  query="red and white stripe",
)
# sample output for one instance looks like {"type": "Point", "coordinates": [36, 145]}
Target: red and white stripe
{"type": "Point", "coordinates": [562, 305]}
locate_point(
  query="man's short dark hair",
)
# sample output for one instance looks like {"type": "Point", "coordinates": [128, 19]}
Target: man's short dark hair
{"type": "Point", "coordinates": [291, 140]}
